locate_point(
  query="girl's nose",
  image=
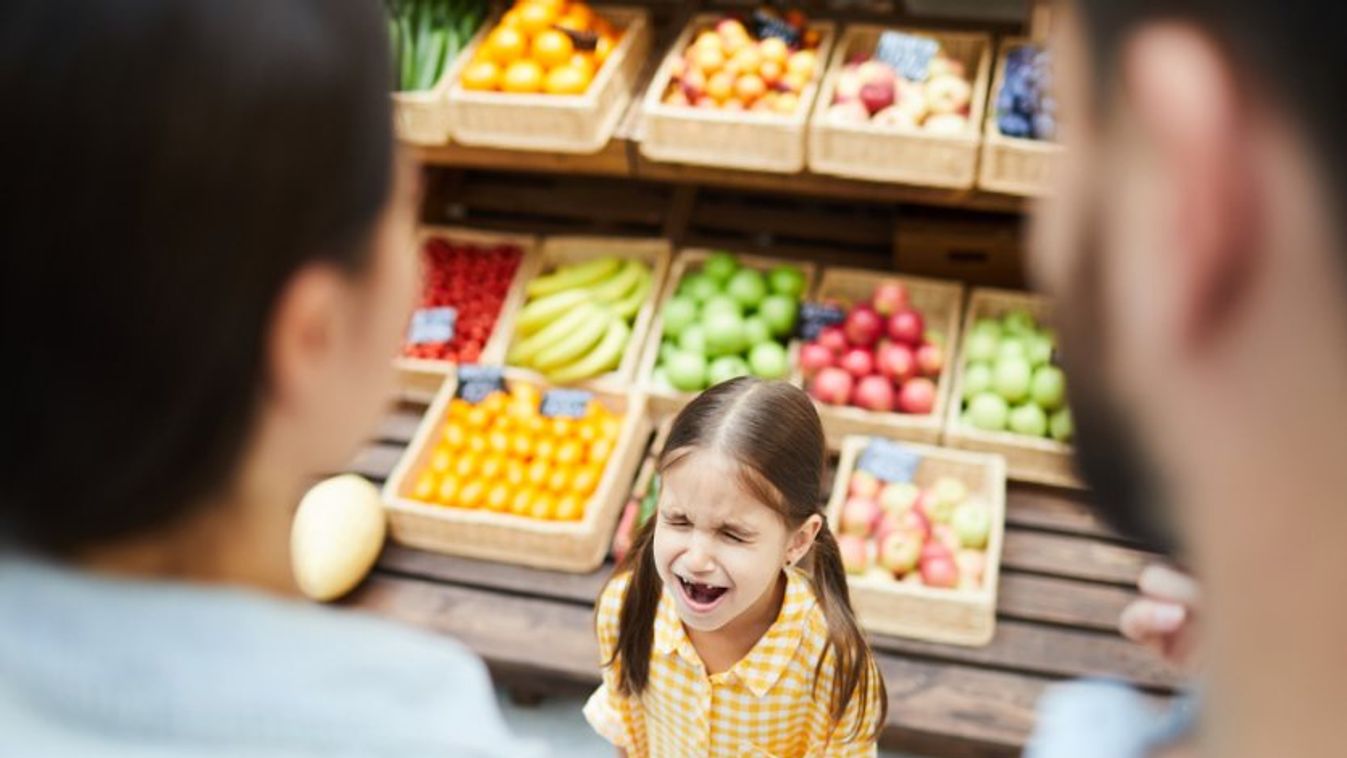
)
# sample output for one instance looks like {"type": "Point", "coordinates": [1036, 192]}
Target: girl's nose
{"type": "Point", "coordinates": [699, 558]}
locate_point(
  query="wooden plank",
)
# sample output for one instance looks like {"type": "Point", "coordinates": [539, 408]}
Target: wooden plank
{"type": "Point", "coordinates": [612, 160]}
{"type": "Point", "coordinates": [1061, 601]}
{"type": "Point", "coordinates": [1054, 509]}
{"type": "Point", "coordinates": [398, 426]}
{"type": "Point", "coordinates": [1073, 557]}
{"type": "Point", "coordinates": [376, 461]}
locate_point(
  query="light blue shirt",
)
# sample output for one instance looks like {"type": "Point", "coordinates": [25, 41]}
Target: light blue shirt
{"type": "Point", "coordinates": [98, 667]}
{"type": "Point", "coordinates": [1105, 719]}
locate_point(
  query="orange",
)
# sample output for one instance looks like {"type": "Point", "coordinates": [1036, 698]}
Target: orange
{"type": "Point", "coordinates": [584, 62]}
{"type": "Point", "coordinates": [562, 427]}
{"type": "Point", "coordinates": [494, 403]}
{"type": "Point", "coordinates": [560, 479]}
{"type": "Point", "coordinates": [506, 45]}
{"type": "Point", "coordinates": [526, 395]}
{"type": "Point", "coordinates": [498, 441]}
{"type": "Point", "coordinates": [425, 487]}
{"type": "Point", "coordinates": [455, 436]}
{"type": "Point", "coordinates": [472, 495]}
{"type": "Point", "coordinates": [552, 48]}
{"type": "Point", "coordinates": [544, 506]}
{"type": "Point", "coordinates": [476, 443]}
{"type": "Point", "coordinates": [566, 80]}
{"type": "Point", "coordinates": [477, 417]}
{"type": "Point", "coordinates": [458, 407]}
{"type": "Point", "coordinates": [440, 460]}
{"type": "Point", "coordinates": [536, 17]}
{"type": "Point", "coordinates": [521, 444]}
{"type": "Point", "coordinates": [447, 492]}
{"type": "Point", "coordinates": [578, 17]}
{"type": "Point", "coordinates": [544, 449]}
{"type": "Point", "coordinates": [466, 465]}
{"type": "Point", "coordinates": [522, 501]}
{"type": "Point", "coordinates": [523, 77]}
{"type": "Point", "coordinates": [516, 472]}
{"type": "Point", "coordinates": [498, 497]}
{"type": "Point", "coordinates": [611, 426]}
{"type": "Point", "coordinates": [604, 48]}
{"type": "Point", "coordinates": [586, 479]}
{"type": "Point", "coordinates": [510, 20]}
{"type": "Point", "coordinates": [538, 473]}
{"type": "Point", "coordinates": [600, 451]}
{"type": "Point", "coordinates": [535, 425]}
{"type": "Point", "coordinates": [570, 508]}
{"type": "Point", "coordinates": [492, 467]}
{"type": "Point", "coordinates": [569, 453]}
{"type": "Point", "coordinates": [587, 432]}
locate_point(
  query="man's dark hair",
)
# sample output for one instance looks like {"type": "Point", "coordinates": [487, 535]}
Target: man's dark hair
{"type": "Point", "coordinates": [171, 164]}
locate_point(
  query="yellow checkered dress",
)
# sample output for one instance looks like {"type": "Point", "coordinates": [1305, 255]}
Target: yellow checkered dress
{"type": "Point", "coordinates": [761, 707]}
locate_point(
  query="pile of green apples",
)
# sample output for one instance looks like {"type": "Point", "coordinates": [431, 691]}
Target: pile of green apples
{"type": "Point", "coordinates": [1011, 381]}
{"type": "Point", "coordinates": [727, 320]}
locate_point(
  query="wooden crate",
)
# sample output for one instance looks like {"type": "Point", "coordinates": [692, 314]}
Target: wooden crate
{"type": "Point", "coordinates": [745, 140]}
{"type": "Point", "coordinates": [958, 616]}
{"type": "Point", "coordinates": [1013, 165]}
{"type": "Point", "coordinates": [557, 123]}
{"type": "Point", "coordinates": [421, 117]}
{"type": "Point", "coordinates": [1030, 459]}
{"type": "Point", "coordinates": [979, 250]}
{"type": "Point", "coordinates": [420, 379]}
{"type": "Point", "coordinates": [574, 546]}
{"type": "Point", "coordinates": [910, 156]}
{"type": "Point", "coordinates": [558, 251]}
{"type": "Point", "coordinates": [941, 305]}
{"type": "Point", "coordinates": [661, 400]}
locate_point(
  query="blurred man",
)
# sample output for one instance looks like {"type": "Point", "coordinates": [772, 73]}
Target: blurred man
{"type": "Point", "coordinates": [1196, 246]}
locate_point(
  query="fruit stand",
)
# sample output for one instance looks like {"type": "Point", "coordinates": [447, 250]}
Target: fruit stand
{"type": "Point", "coordinates": [633, 267]}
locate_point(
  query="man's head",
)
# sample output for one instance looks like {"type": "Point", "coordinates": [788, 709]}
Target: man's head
{"type": "Point", "coordinates": [1195, 243]}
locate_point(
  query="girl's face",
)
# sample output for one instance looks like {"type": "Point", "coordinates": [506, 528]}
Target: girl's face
{"type": "Point", "coordinates": [717, 549]}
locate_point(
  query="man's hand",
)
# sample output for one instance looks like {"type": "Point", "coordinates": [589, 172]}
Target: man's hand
{"type": "Point", "coordinates": [1164, 617]}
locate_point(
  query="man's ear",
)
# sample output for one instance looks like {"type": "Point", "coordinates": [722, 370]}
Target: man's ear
{"type": "Point", "coordinates": [304, 330]}
{"type": "Point", "coordinates": [1181, 88]}
{"type": "Point", "coordinates": [803, 539]}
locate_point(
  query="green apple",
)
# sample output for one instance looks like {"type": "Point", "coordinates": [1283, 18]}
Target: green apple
{"type": "Point", "coordinates": [693, 340]}
{"type": "Point", "coordinates": [989, 326]}
{"type": "Point", "coordinates": [1038, 349]}
{"type": "Point", "coordinates": [1061, 427]}
{"type": "Point", "coordinates": [973, 523]}
{"type": "Point", "coordinates": [988, 411]}
{"type": "Point", "coordinates": [666, 350]}
{"type": "Point", "coordinates": [1012, 347]}
{"type": "Point", "coordinates": [787, 280]}
{"type": "Point", "coordinates": [724, 333]}
{"type": "Point", "coordinates": [687, 371]}
{"type": "Point", "coordinates": [977, 378]}
{"type": "Point", "coordinates": [779, 312]}
{"type": "Point", "coordinates": [726, 368]}
{"type": "Point", "coordinates": [748, 286]}
{"type": "Point", "coordinates": [756, 330]}
{"type": "Point", "coordinates": [768, 360]}
{"type": "Point", "coordinates": [1048, 388]}
{"type": "Point", "coordinates": [945, 496]}
{"type": "Point", "coordinates": [678, 313]}
{"type": "Point", "coordinates": [1028, 419]}
{"type": "Point", "coordinates": [1018, 323]}
{"type": "Point", "coordinates": [660, 379]}
{"type": "Point", "coordinates": [720, 267]}
{"type": "Point", "coordinates": [699, 287]}
{"type": "Point", "coordinates": [1010, 379]}
{"type": "Point", "coordinates": [982, 347]}
{"type": "Point", "coordinates": [721, 303]}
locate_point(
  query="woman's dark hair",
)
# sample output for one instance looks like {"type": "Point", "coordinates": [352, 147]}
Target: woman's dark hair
{"type": "Point", "coordinates": [772, 430]}
{"type": "Point", "coordinates": [171, 165]}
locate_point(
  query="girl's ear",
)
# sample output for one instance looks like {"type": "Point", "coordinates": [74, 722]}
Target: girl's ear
{"type": "Point", "coordinates": [803, 539]}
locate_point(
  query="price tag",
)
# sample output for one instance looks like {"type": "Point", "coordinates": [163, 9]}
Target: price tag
{"type": "Point", "coordinates": [815, 317]}
{"type": "Point", "coordinates": [566, 403]}
{"type": "Point", "coordinates": [889, 461]}
{"type": "Point", "coordinates": [432, 325]}
{"type": "Point", "coordinates": [476, 382]}
{"type": "Point", "coordinates": [910, 55]}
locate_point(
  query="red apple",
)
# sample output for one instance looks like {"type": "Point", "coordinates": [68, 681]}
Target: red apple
{"type": "Point", "coordinates": [876, 72]}
{"type": "Point", "coordinates": [917, 396]}
{"type": "Point", "coordinates": [890, 297]}
{"type": "Point", "coordinates": [896, 361]}
{"type": "Point", "coordinates": [874, 393]}
{"type": "Point", "coordinates": [859, 362]}
{"type": "Point", "coordinates": [814, 358]}
{"type": "Point", "coordinates": [945, 535]}
{"type": "Point", "coordinates": [863, 484]}
{"type": "Point", "coordinates": [855, 553]}
{"type": "Point", "coordinates": [972, 567]}
{"type": "Point", "coordinates": [939, 572]}
{"type": "Point", "coordinates": [833, 338]}
{"type": "Point", "coordinates": [930, 359]}
{"type": "Point", "coordinates": [906, 326]}
{"type": "Point", "coordinates": [916, 520]}
{"type": "Point", "coordinates": [876, 96]}
{"type": "Point", "coordinates": [860, 515]}
{"type": "Point", "coordinates": [901, 550]}
{"type": "Point", "coordinates": [863, 326]}
{"type": "Point", "coordinates": [832, 386]}
{"type": "Point", "coordinates": [898, 497]}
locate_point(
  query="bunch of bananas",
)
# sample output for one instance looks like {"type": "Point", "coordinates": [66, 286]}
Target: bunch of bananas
{"type": "Point", "coordinates": [577, 321]}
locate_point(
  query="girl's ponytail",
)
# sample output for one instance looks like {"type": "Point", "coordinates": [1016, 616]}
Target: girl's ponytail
{"type": "Point", "coordinates": [636, 621]}
{"type": "Point", "coordinates": [855, 675]}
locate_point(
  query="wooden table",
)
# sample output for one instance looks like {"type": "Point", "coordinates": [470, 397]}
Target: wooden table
{"type": "Point", "coordinates": [1064, 580]}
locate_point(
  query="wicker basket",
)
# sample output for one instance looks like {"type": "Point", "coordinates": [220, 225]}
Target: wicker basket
{"type": "Point", "coordinates": [910, 156]}
{"type": "Point", "coordinates": [1030, 459]}
{"type": "Point", "coordinates": [721, 139]}
{"type": "Point", "coordinates": [661, 400]}
{"type": "Point", "coordinates": [954, 616]}
{"type": "Point", "coordinates": [557, 123]}
{"type": "Point", "coordinates": [422, 117]}
{"type": "Point", "coordinates": [575, 546]}
{"type": "Point", "coordinates": [420, 379]}
{"type": "Point", "coordinates": [557, 251]}
{"type": "Point", "coordinates": [941, 304]}
{"type": "Point", "coordinates": [1013, 165]}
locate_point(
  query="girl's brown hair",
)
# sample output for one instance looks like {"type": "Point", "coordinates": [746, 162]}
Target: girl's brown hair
{"type": "Point", "coordinates": [772, 430]}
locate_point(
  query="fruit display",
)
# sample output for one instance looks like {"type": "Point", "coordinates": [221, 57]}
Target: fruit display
{"type": "Point", "coordinates": [893, 529]}
{"type": "Point", "coordinates": [504, 455]}
{"type": "Point", "coordinates": [760, 64]}
{"type": "Point", "coordinates": [727, 319]}
{"type": "Point", "coordinates": [542, 46]}
{"type": "Point", "coordinates": [427, 35]}
{"type": "Point", "coordinates": [1026, 106]}
{"type": "Point", "coordinates": [1011, 380]}
{"type": "Point", "coordinates": [577, 322]}
{"type": "Point", "coordinates": [925, 89]}
{"type": "Point", "coordinates": [882, 356]}
{"type": "Point", "coordinates": [465, 284]}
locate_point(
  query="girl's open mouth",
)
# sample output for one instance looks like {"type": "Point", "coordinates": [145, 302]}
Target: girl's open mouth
{"type": "Point", "coordinates": [701, 597]}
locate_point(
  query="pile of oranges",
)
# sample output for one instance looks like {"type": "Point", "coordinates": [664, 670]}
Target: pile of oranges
{"type": "Point", "coordinates": [503, 455]}
{"type": "Point", "coordinates": [530, 50]}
